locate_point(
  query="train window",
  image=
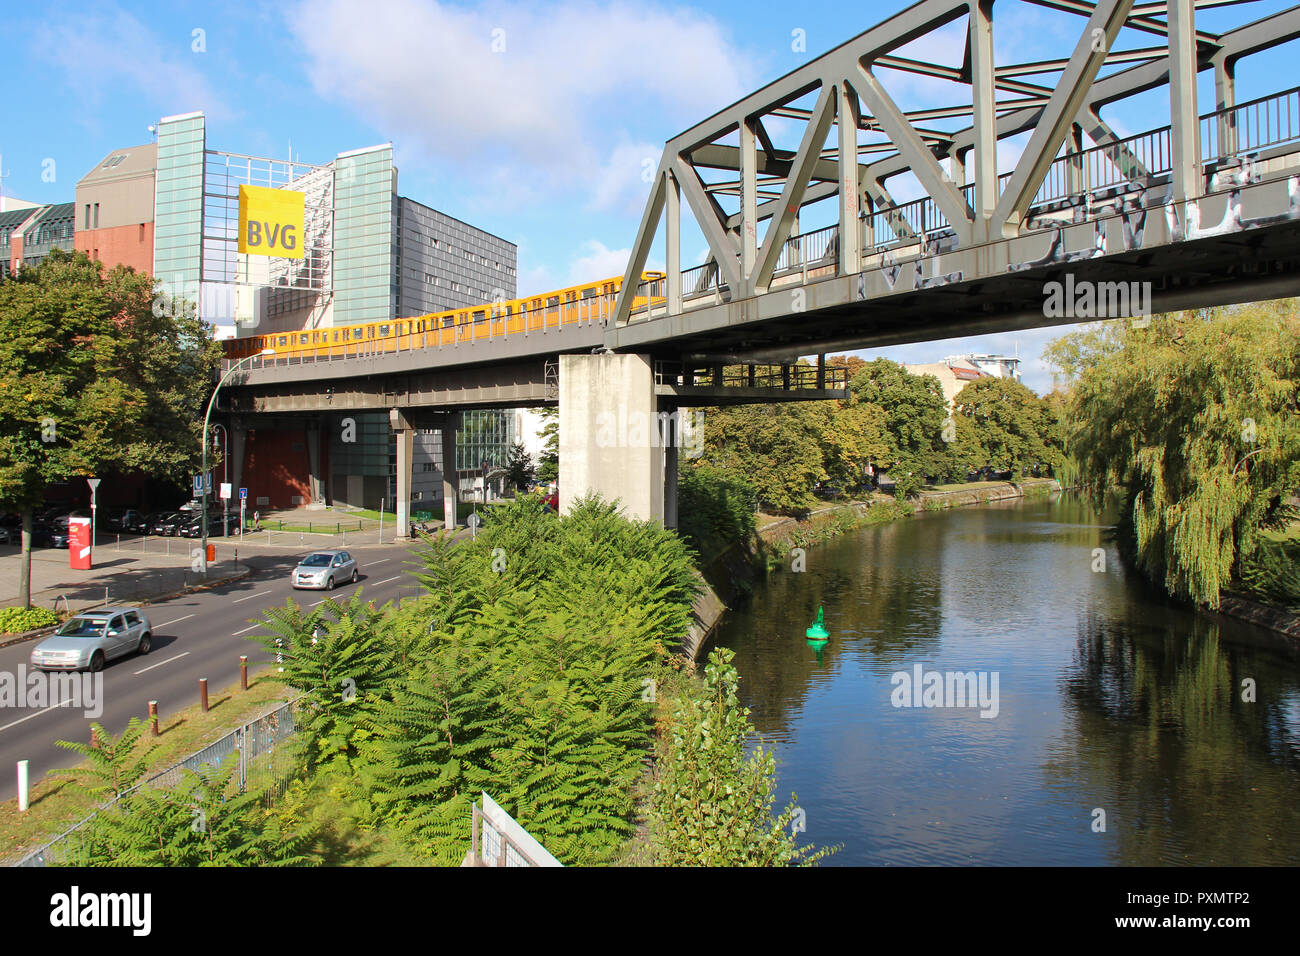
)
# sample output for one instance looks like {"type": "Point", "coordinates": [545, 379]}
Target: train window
{"type": "Point", "coordinates": [336, 336]}
{"type": "Point", "coordinates": [284, 340]}
{"type": "Point", "coordinates": [480, 315]}
{"type": "Point", "coordinates": [358, 333]}
{"type": "Point", "coordinates": [370, 331]}
{"type": "Point", "coordinates": [553, 301]}
{"type": "Point", "coordinates": [383, 330]}
{"type": "Point", "coordinates": [589, 293]}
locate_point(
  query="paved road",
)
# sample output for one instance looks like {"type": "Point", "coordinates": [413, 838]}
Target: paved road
{"type": "Point", "coordinates": [194, 635]}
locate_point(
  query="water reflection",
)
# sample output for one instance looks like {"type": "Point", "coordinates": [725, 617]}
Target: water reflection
{"type": "Point", "coordinates": [1111, 698]}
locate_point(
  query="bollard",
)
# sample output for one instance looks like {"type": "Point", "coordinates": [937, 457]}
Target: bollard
{"type": "Point", "coordinates": [153, 717]}
{"type": "Point", "coordinates": [203, 694]}
{"type": "Point", "coordinates": [243, 672]}
{"type": "Point", "coordinates": [22, 786]}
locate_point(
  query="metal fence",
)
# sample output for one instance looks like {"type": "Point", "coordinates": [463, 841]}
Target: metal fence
{"type": "Point", "coordinates": [267, 760]}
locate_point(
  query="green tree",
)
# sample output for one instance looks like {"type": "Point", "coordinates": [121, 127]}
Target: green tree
{"type": "Point", "coordinates": [775, 448]}
{"type": "Point", "coordinates": [712, 804]}
{"type": "Point", "coordinates": [548, 462]}
{"type": "Point", "coordinates": [914, 412]}
{"type": "Point", "coordinates": [1195, 420]}
{"type": "Point", "coordinates": [1006, 426]}
{"type": "Point", "coordinates": [519, 469]}
{"type": "Point", "coordinates": [92, 380]}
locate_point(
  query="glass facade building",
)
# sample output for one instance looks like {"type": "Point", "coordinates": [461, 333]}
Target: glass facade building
{"type": "Point", "coordinates": [178, 204]}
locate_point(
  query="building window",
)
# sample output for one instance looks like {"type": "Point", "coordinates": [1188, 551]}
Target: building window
{"type": "Point", "coordinates": [142, 232]}
{"type": "Point", "coordinates": [87, 225]}
{"type": "Point", "coordinates": [96, 215]}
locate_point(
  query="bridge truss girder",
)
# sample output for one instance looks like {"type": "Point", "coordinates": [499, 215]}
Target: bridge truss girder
{"type": "Point", "coordinates": [774, 184]}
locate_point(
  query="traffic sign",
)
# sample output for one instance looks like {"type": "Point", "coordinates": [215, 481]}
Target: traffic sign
{"type": "Point", "coordinates": [473, 521]}
{"type": "Point", "coordinates": [243, 494]}
{"type": "Point", "coordinates": [225, 491]}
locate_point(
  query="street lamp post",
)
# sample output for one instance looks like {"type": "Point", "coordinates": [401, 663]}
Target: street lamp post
{"type": "Point", "coordinates": [206, 419]}
{"type": "Point", "coordinates": [225, 476]}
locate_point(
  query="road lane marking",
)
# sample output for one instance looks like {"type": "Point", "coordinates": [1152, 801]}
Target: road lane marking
{"type": "Point", "coordinates": [321, 601]}
{"type": "Point", "coordinates": [246, 630]}
{"type": "Point", "coordinates": [178, 620]}
{"type": "Point", "coordinates": [250, 597]}
{"type": "Point", "coordinates": [380, 561]}
{"type": "Point", "coordinates": [161, 663]}
{"type": "Point", "coordinates": [63, 703]}
{"type": "Point", "coordinates": [385, 581]}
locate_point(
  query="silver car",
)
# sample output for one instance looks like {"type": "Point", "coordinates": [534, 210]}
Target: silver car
{"type": "Point", "coordinates": [322, 570]}
{"type": "Point", "coordinates": [87, 641]}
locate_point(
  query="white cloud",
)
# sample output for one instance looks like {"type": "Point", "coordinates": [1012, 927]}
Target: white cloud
{"type": "Point", "coordinates": [100, 53]}
{"type": "Point", "coordinates": [565, 82]}
{"type": "Point", "coordinates": [597, 262]}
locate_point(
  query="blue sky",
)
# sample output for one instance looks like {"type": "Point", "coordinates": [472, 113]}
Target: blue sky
{"type": "Point", "coordinates": [533, 121]}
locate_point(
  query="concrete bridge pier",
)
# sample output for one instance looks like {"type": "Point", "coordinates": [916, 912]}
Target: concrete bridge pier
{"type": "Point", "coordinates": [450, 484]}
{"type": "Point", "coordinates": [403, 423]}
{"type": "Point", "coordinates": [315, 480]}
{"type": "Point", "coordinates": [610, 439]}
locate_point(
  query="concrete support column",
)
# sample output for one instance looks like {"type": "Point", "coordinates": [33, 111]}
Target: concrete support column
{"type": "Point", "coordinates": [238, 438]}
{"type": "Point", "coordinates": [670, 474]}
{"type": "Point", "coordinates": [609, 434]}
{"type": "Point", "coordinates": [315, 482]}
{"type": "Point", "coordinates": [449, 480]}
{"type": "Point", "coordinates": [405, 446]}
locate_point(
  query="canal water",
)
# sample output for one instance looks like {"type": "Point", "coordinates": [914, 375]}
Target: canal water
{"type": "Point", "coordinates": [1115, 707]}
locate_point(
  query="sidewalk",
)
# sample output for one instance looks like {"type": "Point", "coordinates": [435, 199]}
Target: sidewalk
{"type": "Point", "coordinates": [135, 568]}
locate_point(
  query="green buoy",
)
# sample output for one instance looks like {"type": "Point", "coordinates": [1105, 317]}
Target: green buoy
{"type": "Point", "coordinates": [817, 632]}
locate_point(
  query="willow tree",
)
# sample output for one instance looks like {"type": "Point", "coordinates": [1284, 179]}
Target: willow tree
{"type": "Point", "coordinates": [1195, 420]}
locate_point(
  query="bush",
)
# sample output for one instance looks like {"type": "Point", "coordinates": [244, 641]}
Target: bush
{"type": "Point", "coordinates": [1273, 573]}
{"type": "Point", "coordinates": [712, 805]}
{"type": "Point", "coordinates": [715, 509]}
{"type": "Point", "coordinates": [16, 620]}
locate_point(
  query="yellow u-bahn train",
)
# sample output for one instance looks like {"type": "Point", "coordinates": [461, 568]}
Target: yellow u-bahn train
{"type": "Point", "coordinates": [592, 302]}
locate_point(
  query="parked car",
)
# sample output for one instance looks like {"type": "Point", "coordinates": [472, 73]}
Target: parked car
{"type": "Point", "coordinates": [124, 519]}
{"type": "Point", "coordinates": [9, 537]}
{"type": "Point", "coordinates": [193, 528]}
{"type": "Point", "coordinates": [168, 523]}
{"type": "Point", "coordinates": [323, 570]}
{"type": "Point", "coordinates": [58, 532]}
{"type": "Point", "coordinates": [89, 640]}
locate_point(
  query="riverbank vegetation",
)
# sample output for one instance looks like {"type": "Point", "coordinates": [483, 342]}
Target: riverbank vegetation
{"type": "Point", "coordinates": [894, 425]}
{"type": "Point", "coordinates": [1193, 420]}
{"type": "Point", "coordinates": [530, 668]}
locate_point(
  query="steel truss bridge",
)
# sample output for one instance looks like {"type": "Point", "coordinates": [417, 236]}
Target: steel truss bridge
{"type": "Point", "coordinates": [1205, 207]}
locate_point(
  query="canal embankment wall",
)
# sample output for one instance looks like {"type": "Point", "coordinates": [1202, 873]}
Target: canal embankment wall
{"type": "Point", "coordinates": [729, 576]}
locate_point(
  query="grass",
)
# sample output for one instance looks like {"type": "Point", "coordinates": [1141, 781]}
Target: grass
{"type": "Point", "coordinates": [54, 805]}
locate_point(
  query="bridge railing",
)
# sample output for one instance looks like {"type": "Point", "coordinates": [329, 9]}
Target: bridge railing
{"type": "Point", "coordinates": [494, 324]}
{"type": "Point", "coordinates": [788, 377]}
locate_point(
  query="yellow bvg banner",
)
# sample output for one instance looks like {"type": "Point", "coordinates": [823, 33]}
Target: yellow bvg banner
{"type": "Point", "coordinates": [271, 222]}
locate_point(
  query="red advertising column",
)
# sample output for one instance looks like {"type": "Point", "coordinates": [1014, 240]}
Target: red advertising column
{"type": "Point", "coordinates": [79, 544]}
